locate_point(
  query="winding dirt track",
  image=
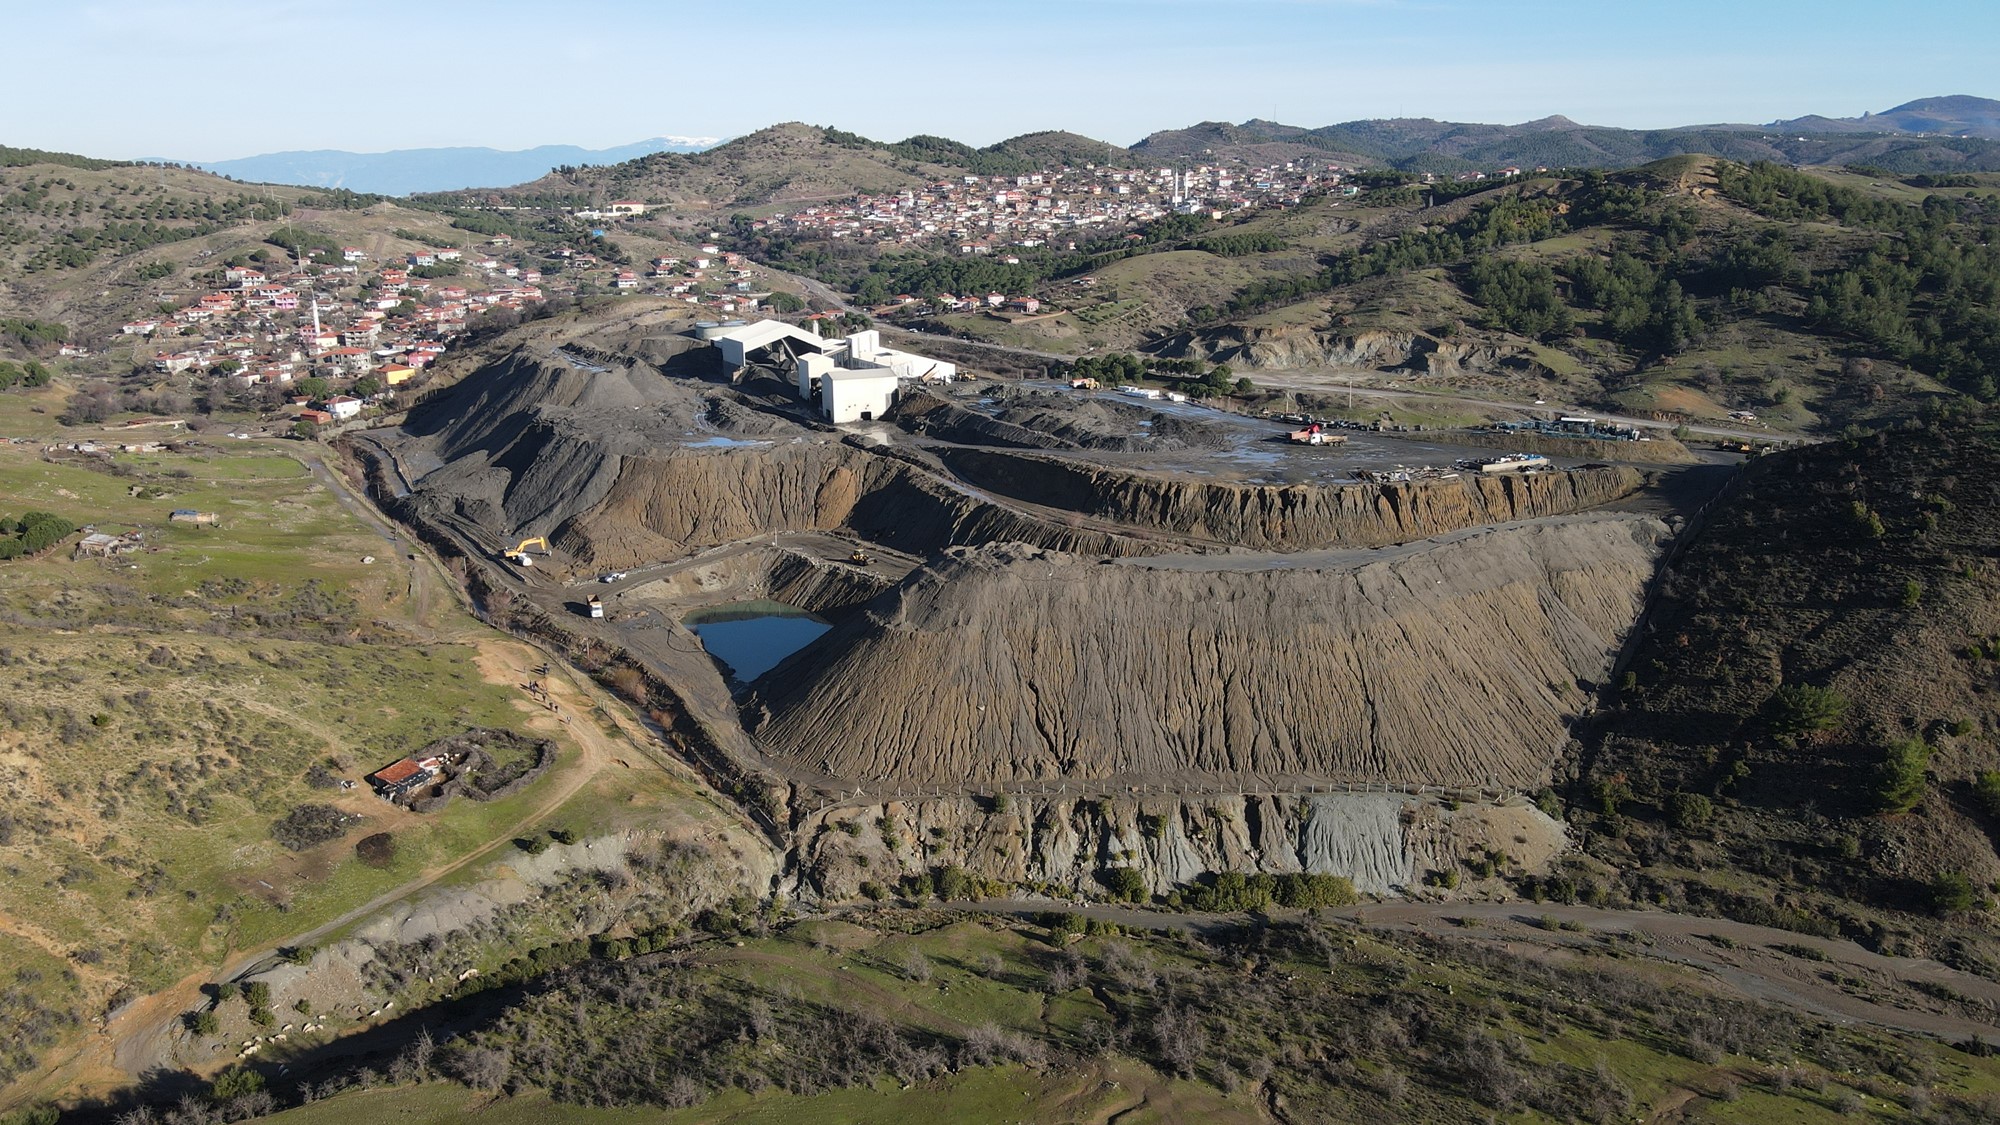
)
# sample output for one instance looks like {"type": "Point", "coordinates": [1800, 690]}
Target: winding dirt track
{"type": "Point", "coordinates": [1851, 986]}
{"type": "Point", "coordinates": [139, 1037]}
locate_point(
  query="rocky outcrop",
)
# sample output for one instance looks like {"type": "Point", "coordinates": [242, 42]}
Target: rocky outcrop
{"type": "Point", "coordinates": [1304, 346]}
{"type": "Point", "coordinates": [1453, 664]}
{"type": "Point", "coordinates": [1382, 841]}
{"type": "Point", "coordinates": [1291, 517]}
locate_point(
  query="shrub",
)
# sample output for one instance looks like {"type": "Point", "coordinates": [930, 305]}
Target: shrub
{"type": "Point", "coordinates": [1124, 884]}
{"type": "Point", "coordinates": [203, 1022]}
{"type": "Point", "coordinates": [1986, 790]}
{"type": "Point", "coordinates": [1899, 780]}
{"type": "Point", "coordinates": [1690, 811]}
{"type": "Point", "coordinates": [1805, 709]}
{"type": "Point", "coordinates": [235, 1083]}
{"type": "Point", "coordinates": [257, 994]}
{"type": "Point", "coordinates": [533, 845]}
{"type": "Point", "coordinates": [562, 835]}
{"type": "Point", "coordinates": [953, 884]}
{"type": "Point", "coordinates": [1310, 891]}
{"type": "Point", "coordinates": [311, 825]}
{"type": "Point", "coordinates": [1866, 520]}
{"type": "Point", "coordinates": [1228, 892]}
{"type": "Point", "coordinates": [1951, 893]}
{"type": "Point", "coordinates": [1061, 923]}
{"type": "Point", "coordinates": [873, 891]}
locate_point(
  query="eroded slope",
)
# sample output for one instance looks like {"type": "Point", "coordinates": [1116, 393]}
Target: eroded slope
{"type": "Point", "coordinates": [1449, 664]}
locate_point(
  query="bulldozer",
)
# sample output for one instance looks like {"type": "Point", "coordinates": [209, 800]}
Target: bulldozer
{"type": "Point", "coordinates": [860, 558]}
{"type": "Point", "coordinates": [519, 555]}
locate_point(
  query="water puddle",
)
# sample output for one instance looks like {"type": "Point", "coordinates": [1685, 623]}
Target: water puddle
{"type": "Point", "coordinates": [751, 638]}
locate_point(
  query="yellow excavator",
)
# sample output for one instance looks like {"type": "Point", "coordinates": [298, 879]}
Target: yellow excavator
{"type": "Point", "coordinates": [520, 556]}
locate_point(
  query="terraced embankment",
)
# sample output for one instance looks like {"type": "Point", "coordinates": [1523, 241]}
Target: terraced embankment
{"type": "Point", "coordinates": [1292, 517]}
{"type": "Point", "coordinates": [665, 506]}
{"type": "Point", "coordinates": [1175, 673]}
{"type": "Point", "coordinates": [619, 465]}
{"type": "Point", "coordinates": [1457, 665]}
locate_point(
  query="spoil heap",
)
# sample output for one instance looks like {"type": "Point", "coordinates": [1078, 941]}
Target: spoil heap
{"type": "Point", "coordinates": [1453, 664]}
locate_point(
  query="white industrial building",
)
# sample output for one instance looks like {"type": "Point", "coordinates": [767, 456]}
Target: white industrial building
{"type": "Point", "coordinates": [737, 344]}
{"type": "Point", "coordinates": [852, 380]}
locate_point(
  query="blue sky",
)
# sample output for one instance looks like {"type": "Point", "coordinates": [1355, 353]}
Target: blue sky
{"type": "Point", "coordinates": [214, 79]}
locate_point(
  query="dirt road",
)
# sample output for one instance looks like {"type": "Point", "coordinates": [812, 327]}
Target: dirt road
{"type": "Point", "coordinates": [1835, 980]}
{"type": "Point", "coordinates": [140, 1037]}
{"type": "Point", "coordinates": [1331, 381]}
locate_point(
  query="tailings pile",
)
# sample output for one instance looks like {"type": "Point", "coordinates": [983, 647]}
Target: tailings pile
{"type": "Point", "coordinates": [1457, 664]}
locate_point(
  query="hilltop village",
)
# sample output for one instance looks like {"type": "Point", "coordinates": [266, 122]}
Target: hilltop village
{"type": "Point", "coordinates": [339, 332]}
{"type": "Point", "coordinates": [360, 325]}
{"type": "Point", "coordinates": [1058, 207]}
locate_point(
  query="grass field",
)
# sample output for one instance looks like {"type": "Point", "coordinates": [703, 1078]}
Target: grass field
{"type": "Point", "coordinates": [160, 711]}
{"type": "Point", "coordinates": [1434, 1031]}
{"type": "Point", "coordinates": [1120, 1089]}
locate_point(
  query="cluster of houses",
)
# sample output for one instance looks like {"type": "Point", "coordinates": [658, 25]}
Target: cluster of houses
{"type": "Point", "coordinates": [711, 278]}
{"type": "Point", "coordinates": [1058, 207]}
{"type": "Point", "coordinates": [994, 304]}
{"type": "Point", "coordinates": [1506, 173]}
{"type": "Point", "coordinates": [341, 320]}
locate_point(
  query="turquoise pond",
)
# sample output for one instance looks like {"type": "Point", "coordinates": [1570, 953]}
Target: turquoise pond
{"type": "Point", "coordinates": [751, 638]}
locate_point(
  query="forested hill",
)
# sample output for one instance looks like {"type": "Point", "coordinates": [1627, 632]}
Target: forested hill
{"type": "Point", "coordinates": [795, 162]}
{"type": "Point", "coordinates": [1813, 704]}
{"type": "Point", "coordinates": [1423, 145]}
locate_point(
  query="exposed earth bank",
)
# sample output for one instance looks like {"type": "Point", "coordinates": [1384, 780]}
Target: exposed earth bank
{"type": "Point", "coordinates": [1457, 666]}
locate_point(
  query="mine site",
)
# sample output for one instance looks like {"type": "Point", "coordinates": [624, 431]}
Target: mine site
{"type": "Point", "coordinates": [1037, 622]}
{"type": "Point", "coordinates": [1388, 619]}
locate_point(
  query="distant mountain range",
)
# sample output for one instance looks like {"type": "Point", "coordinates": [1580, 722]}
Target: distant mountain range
{"type": "Point", "coordinates": [1942, 134]}
{"type": "Point", "coordinates": [1959, 115]}
{"type": "Point", "coordinates": [795, 162]}
{"type": "Point", "coordinates": [404, 171]}
{"type": "Point", "coordinates": [1957, 133]}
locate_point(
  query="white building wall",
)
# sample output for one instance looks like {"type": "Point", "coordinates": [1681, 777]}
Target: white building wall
{"type": "Point", "coordinates": [862, 346]}
{"type": "Point", "coordinates": [847, 395]}
{"type": "Point", "coordinates": [812, 367]}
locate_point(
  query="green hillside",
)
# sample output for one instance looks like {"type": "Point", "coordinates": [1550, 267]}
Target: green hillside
{"type": "Point", "coordinates": [1806, 730]}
